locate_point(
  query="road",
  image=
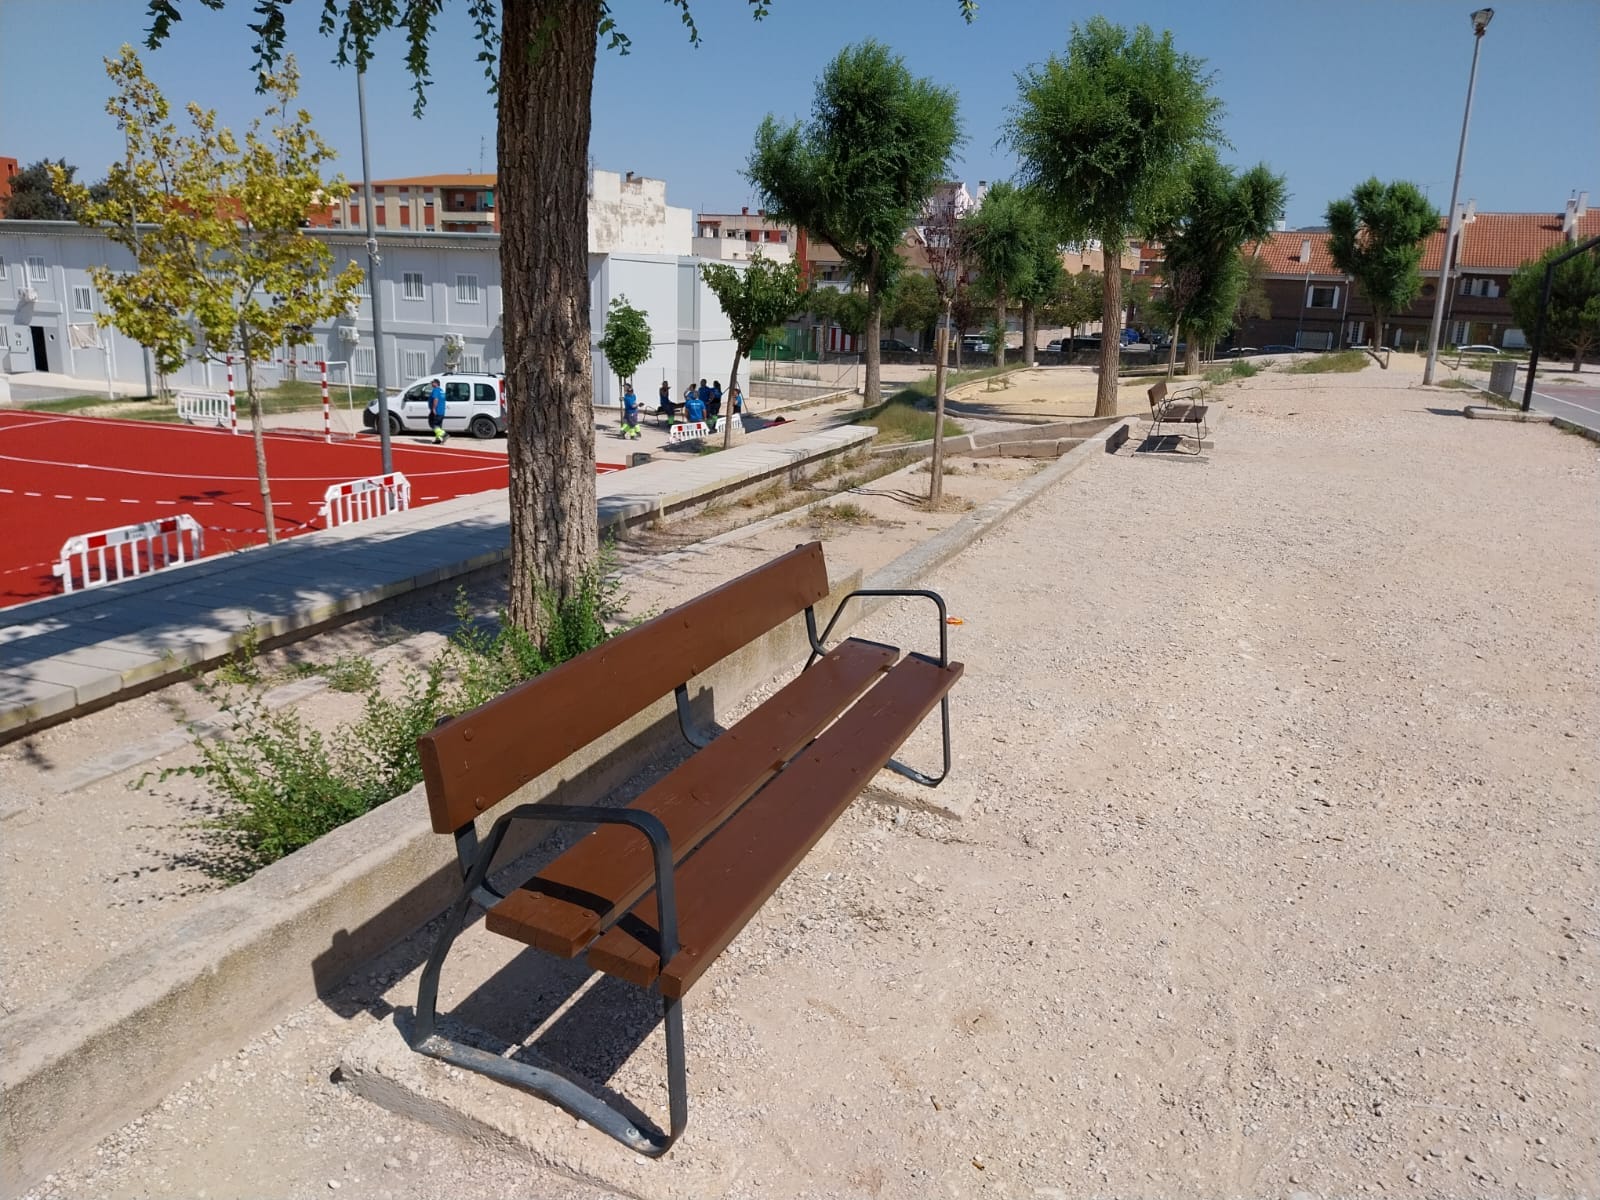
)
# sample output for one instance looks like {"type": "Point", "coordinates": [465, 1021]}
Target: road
{"type": "Point", "coordinates": [1577, 403]}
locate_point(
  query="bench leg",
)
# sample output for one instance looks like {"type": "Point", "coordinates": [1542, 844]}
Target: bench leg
{"type": "Point", "coordinates": [916, 776]}
{"type": "Point", "coordinates": [549, 1085]}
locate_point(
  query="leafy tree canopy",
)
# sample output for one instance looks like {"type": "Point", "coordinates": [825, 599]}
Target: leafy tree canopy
{"type": "Point", "coordinates": [34, 197]}
{"type": "Point", "coordinates": [1572, 320]}
{"type": "Point", "coordinates": [1376, 236]}
{"type": "Point", "coordinates": [627, 341]}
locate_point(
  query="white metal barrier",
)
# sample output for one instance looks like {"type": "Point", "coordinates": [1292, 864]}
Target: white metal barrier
{"type": "Point", "coordinates": [95, 559]}
{"type": "Point", "coordinates": [363, 499]}
{"type": "Point", "coordinates": [205, 408]}
{"type": "Point", "coordinates": [694, 431]}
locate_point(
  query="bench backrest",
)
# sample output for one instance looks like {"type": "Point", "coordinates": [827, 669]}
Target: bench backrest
{"type": "Point", "coordinates": [1157, 394]}
{"type": "Point", "coordinates": [472, 762]}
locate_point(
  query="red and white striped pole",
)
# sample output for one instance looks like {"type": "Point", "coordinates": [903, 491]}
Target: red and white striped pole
{"type": "Point", "coordinates": [233, 408]}
{"type": "Point", "coordinates": [327, 412]}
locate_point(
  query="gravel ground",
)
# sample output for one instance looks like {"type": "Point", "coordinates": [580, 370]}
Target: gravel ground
{"type": "Point", "coordinates": [1279, 880]}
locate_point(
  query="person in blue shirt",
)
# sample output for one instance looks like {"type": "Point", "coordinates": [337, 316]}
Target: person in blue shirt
{"type": "Point", "coordinates": [665, 403]}
{"type": "Point", "coordinates": [715, 407]}
{"type": "Point", "coordinates": [694, 408]}
{"type": "Point", "coordinates": [630, 413]}
{"type": "Point", "coordinates": [436, 412]}
{"type": "Point", "coordinates": [704, 395]}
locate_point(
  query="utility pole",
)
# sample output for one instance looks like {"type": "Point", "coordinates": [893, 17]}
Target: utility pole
{"type": "Point", "coordinates": [1480, 22]}
{"type": "Point", "coordinates": [386, 452]}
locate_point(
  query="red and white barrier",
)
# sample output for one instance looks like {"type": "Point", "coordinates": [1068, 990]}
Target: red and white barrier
{"type": "Point", "coordinates": [694, 431]}
{"type": "Point", "coordinates": [128, 551]}
{"type": "Point", "coordinates": [364, 499]}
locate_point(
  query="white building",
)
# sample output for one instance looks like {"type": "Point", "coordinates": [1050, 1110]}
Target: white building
{"type": "Point", "coordinates": [440, 295]}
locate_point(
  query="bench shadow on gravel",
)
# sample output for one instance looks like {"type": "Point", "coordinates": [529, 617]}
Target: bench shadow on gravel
{"type": "Point", "coordinates": [554, 1013]}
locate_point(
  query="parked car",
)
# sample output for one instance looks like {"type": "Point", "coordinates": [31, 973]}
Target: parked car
{"type": "Point", "coordinates": [976, 344]}
{"type": "Point", "coordinates": [1478, 350]}
{"type": "Point", "coordinates": [1240, 352]}
{"type": "Point", "coordinates": [895, 346]}
{"type": "Point", "coordinates": [1054, 346]}
{"type": "Point", "coordinates": [474, 404]}
{"type": "Point", "coordinates": [1278, 350]}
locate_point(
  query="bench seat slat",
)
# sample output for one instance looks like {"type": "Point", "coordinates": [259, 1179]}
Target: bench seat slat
{"type": "Point", "coordinates": [728, 880]}
{"type": "Point", "coordinates": [563, 908]}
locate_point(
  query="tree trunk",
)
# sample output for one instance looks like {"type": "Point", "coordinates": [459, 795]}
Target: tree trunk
{"type": "Point", "coordinates": [869, 387]}
{"type": "Point", "coordinates": [1172, 343]}
{"type": "Point", "coordinates": [1030, 333]}
{"type": "Point", "coordinates": [547, 58]}
{"type": "Point", "coordinates": [936, 466]}
{"type": "Point", "coordinates": [263, 480]}
{"type": "Point", "coordinates": [1105, 398]}
{"type": "Point", "coordinates": [727, 409]}
{"type": "Point", "coordinates": [999, 327]}
{"type": "Point", "coordinates": [1191, 356]}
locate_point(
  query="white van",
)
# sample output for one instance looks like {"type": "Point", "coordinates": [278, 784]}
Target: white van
{"type": "Point", "coordinates": [474, 404]}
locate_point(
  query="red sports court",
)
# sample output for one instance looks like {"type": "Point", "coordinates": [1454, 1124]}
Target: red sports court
{"type": "Point", "coordinates": [63, 475]}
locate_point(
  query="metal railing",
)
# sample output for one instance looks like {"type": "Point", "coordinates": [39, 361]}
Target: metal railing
{"type": "Point", "coordinates": [128, 551]}
{"type": "Point", "coordinates": [364, 499]}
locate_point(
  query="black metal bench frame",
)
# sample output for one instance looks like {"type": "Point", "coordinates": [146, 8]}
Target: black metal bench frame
{"type": "Point", "coordinates": [1180, 407]}
{"type": "Point", "coordinates": [475, 860]}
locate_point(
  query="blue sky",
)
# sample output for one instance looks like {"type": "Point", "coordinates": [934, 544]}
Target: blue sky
{"type": "Point", "coordinates": [1327, 92]}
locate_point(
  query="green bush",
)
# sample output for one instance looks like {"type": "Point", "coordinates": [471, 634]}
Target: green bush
{"type": "Point", "coordinates": [1339, 360]}
{"type": "Point", "coordinates": [280, 784]}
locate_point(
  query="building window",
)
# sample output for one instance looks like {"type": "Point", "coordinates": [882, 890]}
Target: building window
{"type": "Point", "coordinates": [1322, 297]}
{"type": "Point", "coordinates": [36, 269]}
{"type": "Point", "coordinates": [472, 364]}
{"type": "Point", "coordinates": [364, 288]}
{"type": "Point", "coordinates": [411, 281]}
{"type": "Point", "coordinates": [4, 278]}
{"type": "Point", "coordinates": [83, 298]}
{"type": "Point", "coordinates": [466, 289]}
{"type": "Point", "coordinates": [364, 362]}
{"type": "Point", "coordinates": [415, 363]}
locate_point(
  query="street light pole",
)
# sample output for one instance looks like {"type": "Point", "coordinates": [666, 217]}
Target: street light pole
{"type": "Point", "coordinates": [1480, 22]}
{"type": "Point", "coordinates": [385, 452]}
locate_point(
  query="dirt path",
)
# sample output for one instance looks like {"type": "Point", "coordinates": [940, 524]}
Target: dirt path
{"type": "Point", "coordinates": [1280, 879]}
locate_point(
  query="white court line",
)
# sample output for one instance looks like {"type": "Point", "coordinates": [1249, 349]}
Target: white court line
{"type": "Point", "coordinates": [1568, 403]}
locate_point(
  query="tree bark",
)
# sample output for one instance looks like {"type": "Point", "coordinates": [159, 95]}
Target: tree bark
{"type": "Point", "coordinates": [1191, 356]}
{"type": "Point", "coordinates": [1105, 399]}
{"type": "Point", "coordinates": [727, 408]}
{"type": "Point", "coordinates": [1000, 327]}
{"type": "Point", "coordinates": [1030, 332]}
{"type": "Point", "coordinates": [263, 480]}
{"type": "Point", "coordinates": [936, 466]}
{"type": "Point", "coordinates": [869, 387]}
{"type": "Point", "coordinates": [547, 59]}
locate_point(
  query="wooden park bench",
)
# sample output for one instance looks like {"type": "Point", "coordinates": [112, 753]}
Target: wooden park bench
{"type": "Point", "coordinates": [660, 887]}
{"type": "Point", "coordinates": [1180, 407]}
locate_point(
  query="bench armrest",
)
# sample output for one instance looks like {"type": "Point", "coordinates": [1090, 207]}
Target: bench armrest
{"type": "Point", "coordinates": [646, 823]}
{"type": "Point", "coordinates": [819, 645]}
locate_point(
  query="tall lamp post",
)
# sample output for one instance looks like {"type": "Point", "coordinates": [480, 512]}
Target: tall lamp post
{"type": "Point", "coordinates": [1480, 22]}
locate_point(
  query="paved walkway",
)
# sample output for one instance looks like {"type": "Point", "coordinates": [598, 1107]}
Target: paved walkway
{"type": "Point", "coordinates": [66, 653]}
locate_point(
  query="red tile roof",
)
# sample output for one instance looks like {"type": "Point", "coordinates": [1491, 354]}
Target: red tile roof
{"type": "Point", "coordinates": [435, 181]}
{"type": "Point", "coordinates": [1492, 242]}
{"type": "Point", "coordinates": [1504, 241]}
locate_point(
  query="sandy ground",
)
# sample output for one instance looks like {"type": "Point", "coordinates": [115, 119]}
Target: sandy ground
{"type": "Point", "coordinates": [1279, 880]}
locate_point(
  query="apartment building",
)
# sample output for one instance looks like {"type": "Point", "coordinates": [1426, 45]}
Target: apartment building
{"type": "Point", "coordinates": [1315, 306]}
{"type": "Point", "coordinates": [736, 237]}
{"type": "Point", "coordinates": [424, 204]}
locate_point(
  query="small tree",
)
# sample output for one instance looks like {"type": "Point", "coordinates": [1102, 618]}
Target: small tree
{"type": "Point", "coordinates": [1572, 321]}
{"type": "Point", "coordinates": [944, 235]}
{"type": "Point", "coordinates": [1103, 133]}
{"type": "Point", "coordinates": [1001, 237]}
{"type": "Point", "coordinates": [1376, 237]}
{"type": "Point", "coordinates": [756, 299]}
{"type": "Point", "coordinates": [34, 196]}
{"type": "Point", "coordinates": [1079, 298]}
{"type": "Point", "coordinates": [1044, 283]}
{"type": "Point", "coordinates": [1222, 211]}
{"type": "Point", "coordinates": [222, 263]}
{"type": "Point", "coordinates": [915, 304]}
{"type": "Point", "coordinates": [626, 342]}
{"type": "Point", "coordinates": [860, 171]}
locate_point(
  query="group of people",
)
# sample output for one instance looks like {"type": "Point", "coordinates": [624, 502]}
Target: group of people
{"type": "Point", "coordinates": [699, 403]}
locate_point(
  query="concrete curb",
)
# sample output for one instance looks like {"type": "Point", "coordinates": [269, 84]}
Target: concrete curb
{"type": "Point", "coordinates": [158, 1013]}
{"type": "Point", "coordinates": [1567, 426]}
{"type": "Point", "coordinates": [1487, 412]}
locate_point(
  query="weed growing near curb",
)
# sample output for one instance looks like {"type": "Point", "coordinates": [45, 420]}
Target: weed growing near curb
{"type": "Point", "coordinates": [1342, 361]}
{"type": "Point", "coordinates": [280, 783]}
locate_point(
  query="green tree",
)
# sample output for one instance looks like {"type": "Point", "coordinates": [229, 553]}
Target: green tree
{"type": "Point", "coordinates": [1045, 277]}
{"type": "Point", "coordinates": [539, 59]}
{"type": "Point", "coordinates": [223, 264]}
{"type": "Point", "coordinates": [1221, 212]}
{"type": "Point", "coordinates": [914, 304]}
{"type": "Point", "coordinates": [1376, 237]}
{"type": "Point", "coordinates": [626, 342]}
{"type": "Point", "coordinates": [1002, 236]}
{"type": "Point", "coordinates": [1079, 299]}
{"type": "Point", "coordinates": [33, 197]}
{"type": "Point", "coordinates": [861, 170]}
{"type": "Point", "coordinates": [1572, 320]}
{"type": "Point", "coordinates": [1103, 134]}
{"type": "Point", "coordinates": [763, 295]}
